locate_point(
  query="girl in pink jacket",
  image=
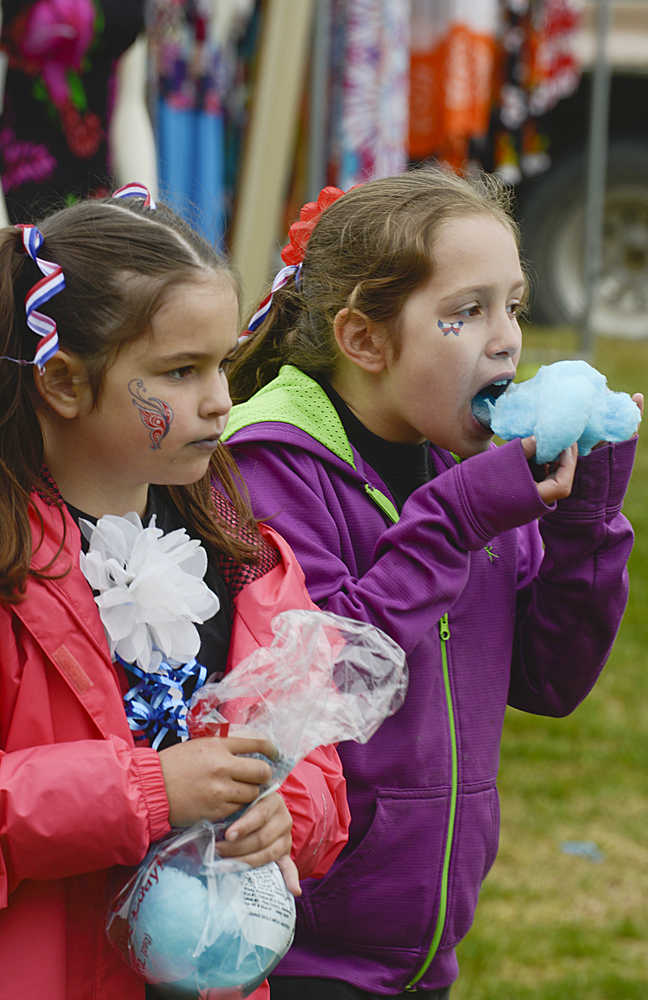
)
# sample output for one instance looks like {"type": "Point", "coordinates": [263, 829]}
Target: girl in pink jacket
{"type": "Point", "coordinates": [113, 398]}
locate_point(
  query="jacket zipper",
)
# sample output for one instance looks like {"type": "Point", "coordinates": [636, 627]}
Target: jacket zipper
{"type": "Point", "coordinates": [382, 502]}
{"type": "Point", "coordinates": [444, 635]}
{"type": "Point", "coordinates": [387, 508]}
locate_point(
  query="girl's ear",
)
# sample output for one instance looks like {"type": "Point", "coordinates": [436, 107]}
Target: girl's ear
{"type": "Point", "coordinates": [63, 385]}
{"type": "Point", "coordinates": [360, 339]}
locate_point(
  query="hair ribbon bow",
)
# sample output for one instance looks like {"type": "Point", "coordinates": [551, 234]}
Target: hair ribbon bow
{"type": "Point", "coordinates": [281, 278]}
{"type": "Point", "coordinates": [135, 190]}
{"type": "Point", "coordinates": [52, 282]}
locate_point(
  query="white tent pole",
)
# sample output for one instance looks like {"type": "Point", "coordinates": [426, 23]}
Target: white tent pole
{"type": "Point", "coordinates": [596, 175]}
{"type": "Point", "coordinates": [269, 146]}
{"type": "Point", "coordinates": [318, 124]}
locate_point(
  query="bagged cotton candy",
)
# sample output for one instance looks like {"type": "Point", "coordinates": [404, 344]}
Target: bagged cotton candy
{"type": "Point", "coordinates": [192, 920]}
{"type": "Point", "coordinates": [564, 402]}
{"type": "Point", "coordinates": [195, 921]}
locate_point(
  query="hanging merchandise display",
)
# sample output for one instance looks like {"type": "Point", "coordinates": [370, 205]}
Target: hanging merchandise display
{"type": "Point", "coordinates": [369, 77]}
{"type": "Point", "coordinates": [453, 80]}
{"type": "Point", "coordinates": [197, 78]}
{"type": "Point", "coordinates": [537, 67]}
{"type": "Point", "coordinates": [60, 95]}
{"type": "Point", "coordinates": [452, 69]}
{"type": "Point", "coordinates": [482, 75]}
{"type": "Point", "coordinates": [258, 106]}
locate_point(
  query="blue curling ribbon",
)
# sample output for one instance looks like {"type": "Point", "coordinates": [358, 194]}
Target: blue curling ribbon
{"type": "Point", "coordinates": [157, 704]}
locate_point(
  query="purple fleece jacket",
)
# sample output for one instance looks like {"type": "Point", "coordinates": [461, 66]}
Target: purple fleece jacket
{"type": "Point", "coordinates": [525, 629]}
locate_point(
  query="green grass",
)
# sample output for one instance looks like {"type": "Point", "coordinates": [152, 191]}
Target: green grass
{"type": "Point", "coordinates": [553, 926]}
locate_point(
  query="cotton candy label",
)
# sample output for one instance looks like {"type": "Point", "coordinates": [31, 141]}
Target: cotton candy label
{"type": "Point", "coordinates": [265, 911]}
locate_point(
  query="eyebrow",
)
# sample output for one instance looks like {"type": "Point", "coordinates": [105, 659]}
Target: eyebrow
{"type": "Point", "coordinates": [165, 359]}
{"type": "Point", "coordinates": [523, 285]}
{"type": "Point", "coordinates": [186, 357]}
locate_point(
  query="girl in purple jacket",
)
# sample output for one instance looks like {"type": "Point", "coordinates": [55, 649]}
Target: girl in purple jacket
{"type": "Point", "coordinates": [358, 383]}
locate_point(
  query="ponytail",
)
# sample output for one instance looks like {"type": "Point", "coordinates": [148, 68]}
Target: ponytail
{"type": "Point", "coordinates": [261, 354]}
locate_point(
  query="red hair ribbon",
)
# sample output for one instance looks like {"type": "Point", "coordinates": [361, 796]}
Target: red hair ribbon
{"type": "Point", "coordinates": [300, 231]}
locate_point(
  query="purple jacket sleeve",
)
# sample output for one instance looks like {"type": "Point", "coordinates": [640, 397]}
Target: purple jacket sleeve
{"type": "Point", "coordinates": [570, 600]}
{"type": "Point", "coordinates": [426, 555]}
{"type": "Point", "coordinates": [569, 613]}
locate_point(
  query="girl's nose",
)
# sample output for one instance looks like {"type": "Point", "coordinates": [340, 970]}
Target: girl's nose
{"type": "Point", "coordinates": [216, 400]}
{"type": "Point", "coordinates": [506, 340]}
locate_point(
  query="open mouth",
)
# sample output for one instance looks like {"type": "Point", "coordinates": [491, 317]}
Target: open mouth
{"type": "Point", "coordinates": [483, 402]}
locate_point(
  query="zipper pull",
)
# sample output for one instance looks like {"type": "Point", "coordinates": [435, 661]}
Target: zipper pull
{"type": "Point", "coordinates": [382, 502]}
{"type": "Point", "coordinates": [444, 627]}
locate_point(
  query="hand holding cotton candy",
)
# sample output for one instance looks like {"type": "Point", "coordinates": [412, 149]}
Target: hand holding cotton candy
{"type": "Point", "coordinates": [195, 920]}
{"type": "Point", "coordinates": [564, 402]}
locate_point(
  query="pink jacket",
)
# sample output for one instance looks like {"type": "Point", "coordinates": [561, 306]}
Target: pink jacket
{"type": "Point", "coordinates": [77, 798]}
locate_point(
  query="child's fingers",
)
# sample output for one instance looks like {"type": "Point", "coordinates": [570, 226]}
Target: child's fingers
{"type": "Point", "coordinates": [251, 744]}
{"type": "Point", "coordinates": [268, 816]}
{"type": "Point", "coordinates": [528, 447]}
{"type": "Point", "coordinates": [639, 400]}
{"type": "Point", "coordinates": [249, 770]}
{"type": "Point", "coordinates": [553, 479]}
{"type": "Point", "coordinates": [252, 855]}
{"type": "Point", "coordinates": [559, 479]}
{"type": "Point", "coordinates": [261, 835]}
{"type": "Point", "coordinates": [290, 874]}
{"type": "Point", "coordinates": [204, 779]}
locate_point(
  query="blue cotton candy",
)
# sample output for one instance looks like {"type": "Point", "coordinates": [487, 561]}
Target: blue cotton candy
{"type": "Point", "coordinates": [168, 924]}
{"type": "Point", "coordinates": [564, 402]}
{"type": "Point", "coordinates": [217, 931]}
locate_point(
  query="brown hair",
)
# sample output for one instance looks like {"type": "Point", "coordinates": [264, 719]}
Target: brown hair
{"type": "Point", "coordinates": [369, 251]}
{"type": "Point", "coordinates": [119, 260]}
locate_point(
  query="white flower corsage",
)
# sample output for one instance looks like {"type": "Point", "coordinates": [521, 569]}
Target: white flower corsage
{"type": "Point", "coordinates": [150, 589]}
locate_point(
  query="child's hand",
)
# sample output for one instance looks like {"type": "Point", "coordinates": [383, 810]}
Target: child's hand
{"type": "Point", "coordinates": [207, 778]}
{"type": "Point", "coordinates": [290, 874]}
{"type": "Point", "coordinates": [639, 400]}
{"type": "Point", "coordinates": [558, 476]}
{"type": "Point", "coordinates": [261, 835]}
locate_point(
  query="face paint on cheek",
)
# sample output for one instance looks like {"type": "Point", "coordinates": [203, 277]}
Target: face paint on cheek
{"type": "Point", "coordinates": [447, 328]}
{"type": "Point", "coordinates": [155, 414]}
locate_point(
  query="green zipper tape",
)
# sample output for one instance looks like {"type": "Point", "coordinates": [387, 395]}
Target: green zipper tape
{"type": "Point", "coordinates": [444, 634]}
{"type": "Point", "coordinates": [386, 506]}
{"type": "Point", "coordinates": [382, 502]}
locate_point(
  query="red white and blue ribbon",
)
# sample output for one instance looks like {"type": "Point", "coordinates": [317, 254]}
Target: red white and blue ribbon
{"type": "Point", "coordinates": [281, 278]}
{"type": "Point", "coordinates": [135, 190]}
{"type": "Point", "coordinates": [52, 282]}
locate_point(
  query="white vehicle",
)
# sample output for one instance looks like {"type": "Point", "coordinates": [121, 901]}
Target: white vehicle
{"type": "Point", "coordinates": [552, 204]}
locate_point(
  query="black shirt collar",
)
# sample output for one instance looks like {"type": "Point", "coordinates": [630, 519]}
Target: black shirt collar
{"type": "Point", "coordinates": [402, 467]}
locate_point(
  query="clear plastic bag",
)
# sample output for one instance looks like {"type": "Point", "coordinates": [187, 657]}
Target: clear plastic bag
{"type": "Point", "coordinates": [200, 922]}
{"type": "Point", "coordinates": [194, 921]}
{"type": "Point", "coordinates": [324, 679]}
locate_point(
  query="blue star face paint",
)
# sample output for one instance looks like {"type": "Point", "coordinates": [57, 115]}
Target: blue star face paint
{"type": "Point", "coordinates": [155, 414]}
{"type": "Point", "coordinates": [447, 328]}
